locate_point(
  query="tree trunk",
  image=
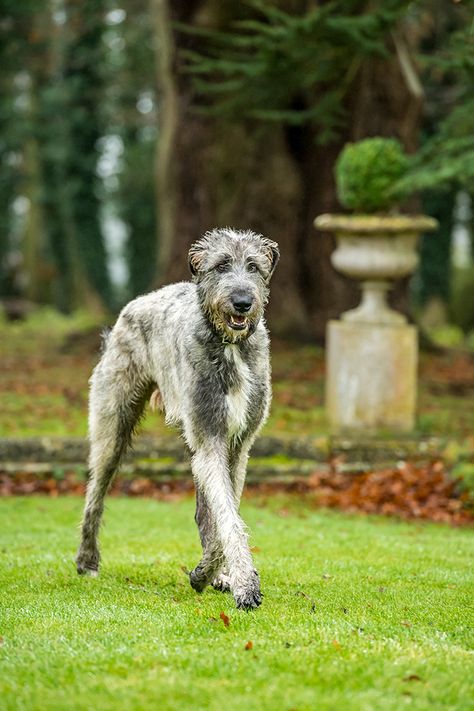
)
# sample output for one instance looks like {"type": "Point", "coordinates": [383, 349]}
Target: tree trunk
{"type": "Point", "coordinates": [37, 261]}
{"type": "Point", "coordinates": [211, 174]}
{"type": "Point", "coordinates": [165, 173]}
{"type": "Point", "coordinates": [83, 67]}
{"type": "Point", "coordinates": [275, 180]}
{"type": "Point", "coordinates": [56, 158]}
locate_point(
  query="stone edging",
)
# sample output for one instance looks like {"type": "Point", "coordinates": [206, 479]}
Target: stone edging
{"type": "Point", "coordinates": [272, 458]}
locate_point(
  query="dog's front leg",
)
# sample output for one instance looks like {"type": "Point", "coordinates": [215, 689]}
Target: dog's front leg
{"type": "Point", "coordinates": [238, 458]}
{"type": "Point", "coordinates": [212, 478]}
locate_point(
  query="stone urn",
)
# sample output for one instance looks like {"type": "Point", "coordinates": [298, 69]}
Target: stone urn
{"type": "Point", "coordinates": [375, 251]}
{"type": "Point", "coordinates": [371, 352]}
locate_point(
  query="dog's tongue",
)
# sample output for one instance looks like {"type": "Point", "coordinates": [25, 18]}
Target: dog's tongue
{"type": "Point", "coordinates": [239, 319]}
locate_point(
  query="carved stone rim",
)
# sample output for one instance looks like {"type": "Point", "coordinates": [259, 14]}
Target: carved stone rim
{"type": "Point", "coordinates": [375, 224]}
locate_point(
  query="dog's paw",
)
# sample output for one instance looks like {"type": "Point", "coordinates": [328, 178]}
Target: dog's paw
{"type": "Point", "coordinates": [87, 564]}
{"type": "Point", "coordinates": [248, 596]}
{"type": "Point", "coordinates": [90, 572]}
{"type": "Point", "coordinates": [198, 579]}
{"type": "Point", "coordinates": [221, 582]}
{"type": "Point", "coordinates": [248, 600]}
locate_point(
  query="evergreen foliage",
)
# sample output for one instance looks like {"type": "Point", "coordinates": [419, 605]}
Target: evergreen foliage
{"type": "Point", "coordinates": [72, 77]}
{"type": "Point", "coordinates": [52, 54]}
{"type": "Point", "coordinates": [367, 173]}
{"type": "Point", "coordinates": [14, 26]}
{"type": "Point", "coordinates": [445, 162]}
{"type": "Point", "coordinates": [137, 209]}
{"type": "Point", "coordinates": [446, 158]}
{"type": "Point", "coordinates": [290, 67]}
{"type": "Point", "coordinates": [135, 120]}
{"type": "Point", "coordinates": [85, 83]}
{"type": "Point", "coordinates": [435, 250]}
{"type": "Point", "coordinates": [295, 68]}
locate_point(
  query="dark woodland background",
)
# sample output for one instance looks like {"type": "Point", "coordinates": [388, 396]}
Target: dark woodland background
{"type": "Point", "coordinates": [130, 127]}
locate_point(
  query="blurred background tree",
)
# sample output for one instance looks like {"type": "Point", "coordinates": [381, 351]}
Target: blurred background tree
{"type": "Point", "coordinates": [134, 119]}
{"type": "Point", "coordinates": [129, 128]}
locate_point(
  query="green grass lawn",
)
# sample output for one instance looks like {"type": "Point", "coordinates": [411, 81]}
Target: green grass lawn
{"type": "Point", "coordinates": [46, 362]}
{"type": "Point", "coordinates": [358, 613]}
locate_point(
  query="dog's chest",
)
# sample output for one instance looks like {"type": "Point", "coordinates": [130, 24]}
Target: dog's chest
{"type": "Point", "coordinates": [239, 392]}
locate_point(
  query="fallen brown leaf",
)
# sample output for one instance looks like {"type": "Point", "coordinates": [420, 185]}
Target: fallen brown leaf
{"type": "Point", "coordinates": [225, 619]}
{"type": "Point", "coordinates": [409, 490]}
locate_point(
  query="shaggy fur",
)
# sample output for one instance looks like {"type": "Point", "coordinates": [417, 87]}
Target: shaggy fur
{"type": "Point", "coordinates": [200, 350]}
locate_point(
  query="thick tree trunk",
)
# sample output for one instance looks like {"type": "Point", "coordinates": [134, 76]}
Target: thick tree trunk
{"type": "Point", "coordinates": [37, 259]}
{"type": "Point", "coordinates": [212, 174]}
{"type": "Point", "coordinates": [67, 119]}
{"type": "Point", "coordinates": [271, 179]}
{"type": "Point", "coordinates": [83, 62]}
{"type": "Point", "coordinates": [165, 173]}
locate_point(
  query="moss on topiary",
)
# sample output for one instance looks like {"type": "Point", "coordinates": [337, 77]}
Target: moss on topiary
{"type": "Point", "coordinates": [367, 173]}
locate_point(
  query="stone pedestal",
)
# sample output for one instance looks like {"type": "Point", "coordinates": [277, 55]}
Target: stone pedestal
{"type": "Point", "coordinates": [371, 376]}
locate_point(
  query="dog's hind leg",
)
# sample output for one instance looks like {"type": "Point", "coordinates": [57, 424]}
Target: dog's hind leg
{"type": "Point", "coordinates": [117, 399]}
{"type": "Point", "coordinates": [212, 554]}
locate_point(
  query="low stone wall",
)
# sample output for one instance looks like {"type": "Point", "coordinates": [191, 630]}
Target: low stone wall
{"type": "Point", "coordinates": [272, 458]}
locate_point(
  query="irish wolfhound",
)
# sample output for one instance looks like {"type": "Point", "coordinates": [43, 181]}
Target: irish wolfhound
{"type": "Point", "coordinates": [201, 350]}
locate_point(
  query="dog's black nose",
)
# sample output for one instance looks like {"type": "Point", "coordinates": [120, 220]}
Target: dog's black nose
{"type": "Point", "coordinates": [241, 303]}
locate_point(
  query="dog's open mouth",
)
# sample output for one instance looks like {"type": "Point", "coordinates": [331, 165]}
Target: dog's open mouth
{"type": "Point", "coordinates": [238, 322]}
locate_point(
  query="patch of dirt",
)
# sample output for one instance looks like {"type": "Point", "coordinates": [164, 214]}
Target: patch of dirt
{"type": "Point", "coordinates": [26, 483]}
{"type": "Point", "coordinates": [452, 374]}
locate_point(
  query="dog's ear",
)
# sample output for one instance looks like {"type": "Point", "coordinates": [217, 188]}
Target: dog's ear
{"type": "Point", "coordinates": [272, 252]}
{"type": "Point", "coordinates": [195, 257]}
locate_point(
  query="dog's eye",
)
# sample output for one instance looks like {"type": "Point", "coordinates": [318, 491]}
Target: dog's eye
{"type": "Point", "coordinates": [252, 267]}
{"type": "Point", "coordinates": [222, 267]}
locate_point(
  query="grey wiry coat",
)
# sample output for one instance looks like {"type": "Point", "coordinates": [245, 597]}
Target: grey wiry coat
{"type": "Point", "coordinates": [201, 349]}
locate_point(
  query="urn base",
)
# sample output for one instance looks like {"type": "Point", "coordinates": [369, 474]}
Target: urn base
{"type": "Point", "coordinates": [371, 376]}
{"type": "Point", "coordinates": [373, 307]}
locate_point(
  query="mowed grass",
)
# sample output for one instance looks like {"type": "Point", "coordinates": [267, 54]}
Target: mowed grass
{"type": "Point", "coordinates": [358, 613]}
{"type": "Point", "coordinates": [46, 362]}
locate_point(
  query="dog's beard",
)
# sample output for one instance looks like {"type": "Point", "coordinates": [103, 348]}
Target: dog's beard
{"type": "Point", "coordinates": [230, 326]}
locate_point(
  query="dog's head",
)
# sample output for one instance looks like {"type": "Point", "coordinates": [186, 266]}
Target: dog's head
{"type": "Point", "coordinates": [233, 269]}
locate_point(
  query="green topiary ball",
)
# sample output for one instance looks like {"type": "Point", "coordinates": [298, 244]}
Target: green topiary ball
{"type": "Point", "coordinates": [367, 173]}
